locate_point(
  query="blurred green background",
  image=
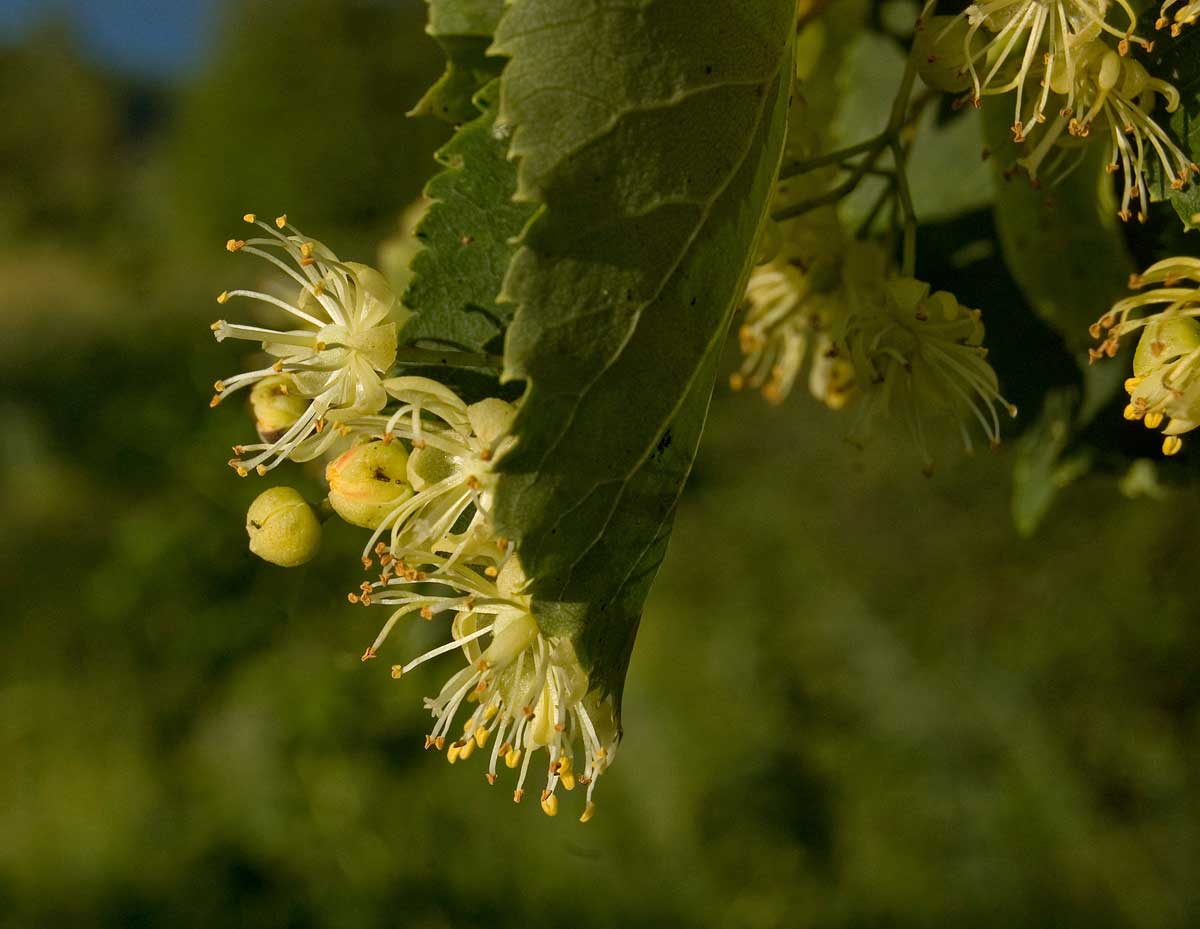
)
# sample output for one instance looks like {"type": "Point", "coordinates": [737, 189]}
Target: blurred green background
{"type": "Point", "coordinates": [858, 698]}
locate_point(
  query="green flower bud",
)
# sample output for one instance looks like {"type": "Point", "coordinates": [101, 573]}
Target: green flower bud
{"type": "Point", "coordinates": [427, 466]}
{"type": "Point", "coordinates": [490, 420]}
{"type": "Point", "coordinates": [368, 482]}
{"type": "Point", "coordinates": [1163, 341]}
{"type": "Point", "coordinates": [276, 405]}
{"type": "Point", "coordinates": [283, 528]}
{"type": "Point", "coordinates": [940, 49]}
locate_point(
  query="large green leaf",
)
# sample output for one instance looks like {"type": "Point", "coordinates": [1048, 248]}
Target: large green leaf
{"type": "Point", "coordinates": [468, 235]}
{"type": "Point", "coordinates": [649, 134]}
{"type": "Point", "coordinates": [1062, 243]}
{"type": "Point", "coordinates": [1064, 247]}
{"type": "Point", "coordinates": [464, 30]}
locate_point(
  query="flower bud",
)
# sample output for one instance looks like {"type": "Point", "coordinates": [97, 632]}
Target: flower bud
{"type": "Point", "coordinates": [1163, 341]}
{"type": "Point", "coordinates": [368, 482]}
{"type": "Point", "coordinates": [283, 528]}
{"type": "Point", "coordinates": [491, 419]}
{"type": "Point", "coordinates": [276, 405]}
{"type": "Point", "coordinates": [427, 466]}
{"type": "Point", "coordinates": [940, 50]}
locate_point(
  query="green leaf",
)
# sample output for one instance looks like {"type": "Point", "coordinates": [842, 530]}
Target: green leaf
{"type": "Point", "coordinates": [1062, 243]}
{"type": "Point", "coordinates": [874, 65]}
{"type": "Point", "coordinates": [1064, 246]}
{"type": "Point", "coordinates": [468, 235]}
{"type": "Point", "coordinates": [650, 135]}
{"type": "Point", "coordinates": [1178, 61]}
{"type": "Point", "coordinates": [1043, 467]}
{"type": "Point", "coordinates": [463, 28]}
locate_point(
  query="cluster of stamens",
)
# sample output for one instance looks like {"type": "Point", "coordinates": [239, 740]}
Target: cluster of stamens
{"type": "Point", "coordinates": [528, 691]}
{"type": "Point", "coordinates": [1080, 81]}
{"type": "Point", "coordinates": [918, 354]}
{"type": "Point", "coordinates": [1164, 391]}
{"type": "Point", "coordinates": [409, 460]}
{"type": "Point", "coordinates": [787, 311]}
{"type": "Point", "coordinates": [336, 358]}
{"type": "Point", "coordinates": [1186, 15]}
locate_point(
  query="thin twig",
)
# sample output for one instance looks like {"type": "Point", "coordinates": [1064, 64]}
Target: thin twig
{"type": "Point", "coordinates": [448, 359]}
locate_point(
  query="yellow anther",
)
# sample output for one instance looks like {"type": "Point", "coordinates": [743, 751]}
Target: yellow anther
{"type": "Point", "coordinates": [241, 471]}
{"type": "Point", "coordinates": [1153, 420]}
{"type": "Point", "coordinates": [1131, 384]}
{"type": "Point", "coordinates": [491, 570]}
{"type": "Point", "coordinates": [249, 218]}
{"type": "Point", "coordinates": [468, 725]}
{"type": "Point", "coordinates": [397, 670]}
{"type": "Point", "coordinates": [567, 780]}
{"type": "Point", "coordinates": [491, 779]}
{"type": "Point", "coordinates": [261, 470]}
{"type": "Point", "coordinates": [588, 812]}
{"type": "Point", "coordinates": [1172, 444]}
{"type": "Point", "coordinates": [549, 804]}
{"type": "Point", "coordinates": [306, 249]}
{"type": "Point", "coordinates": [490, 712]}
{"type": "Point", "coordinates": [512, 758]}
{"type": "Point", "coordinates": [1131, 412]}
{"type": "Point", "coordinates": [453, 751]}
{"type": "Point", "coordinates": [467, 749]}
{"type": "Point", "coordinates": [281, 221]}
{"type": "Point", "coordinates": [235, 245]}
{"type": "Point", "coordinates": [222, 298]}
{"type": "Point", "coordinates": [215, 327]}
{"type": "Point", "coordinates": [481, 736]}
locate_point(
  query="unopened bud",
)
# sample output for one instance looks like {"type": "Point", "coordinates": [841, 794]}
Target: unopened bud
{"type": "Point", "coordinates": [491, 419]}
{"type": "Point", "coordinates": [276, 406]}
{"type": "Point", "coordinates": [368, 482]}
{"type": "Point", "coordinates": [283, 528]}
{"type": "Point", "coordinates": [1164, 340]}
{"type": "Point", "coordinates": [940, 51]}
{"type": "Point", "coordinates": [427, 466]}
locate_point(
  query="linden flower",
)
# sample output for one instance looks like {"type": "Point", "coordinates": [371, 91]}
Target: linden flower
{"type": "Point", "coordinates": [788, 309]}
{"type": "Point", "coordinates": [1186, 15]}
{"type": "Point", "coordinates": [918, 354]}
{"type": "Point", "coordinates": [1030, 37]}
{"type": "Point", "coordinates": [1165, 387]}
{"type": "Point", "coordinates": [529, 691]}
{"type": "Point", "coordinates": [425, 482]}
{"type": "Point", "coordinates": [1119, 95]}
{"type": "Point", "coordinates": [334, 362]}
